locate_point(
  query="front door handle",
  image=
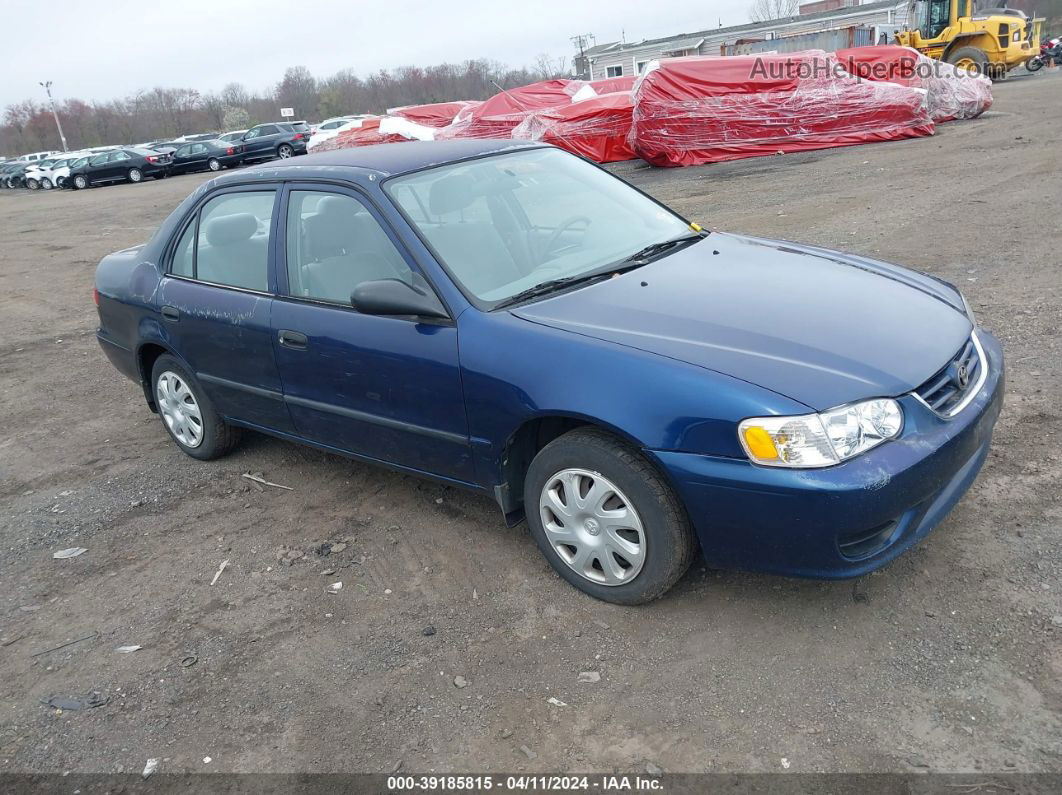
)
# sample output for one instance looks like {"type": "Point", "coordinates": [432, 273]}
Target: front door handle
{"type": "Point", "coordinates": [293, 339]}
{"type": "Point", "coordinates": [170, 313]}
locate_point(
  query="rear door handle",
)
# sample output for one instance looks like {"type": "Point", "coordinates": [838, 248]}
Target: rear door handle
{"type": "Point", "coordinates": [171, 313]}
{"type": "Point", "coordinates": [293, 339]}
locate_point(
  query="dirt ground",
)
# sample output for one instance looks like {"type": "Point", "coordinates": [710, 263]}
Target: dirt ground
{"type": "Point", "coordinates": [947, 660]}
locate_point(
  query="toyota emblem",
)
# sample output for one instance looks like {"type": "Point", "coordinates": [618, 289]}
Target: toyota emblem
{"type": "Point", "coordinates": [962, 375]}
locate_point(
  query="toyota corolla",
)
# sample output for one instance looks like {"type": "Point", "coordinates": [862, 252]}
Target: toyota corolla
{"type": "Point", "coordinates": [517, 321]}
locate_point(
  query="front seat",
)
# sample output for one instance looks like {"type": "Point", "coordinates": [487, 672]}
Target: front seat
{"type": "Point", "coordinates": [473, 250]}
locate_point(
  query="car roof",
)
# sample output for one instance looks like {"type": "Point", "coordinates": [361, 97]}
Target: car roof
{"type": "Point", "coordinates": [390, 159]}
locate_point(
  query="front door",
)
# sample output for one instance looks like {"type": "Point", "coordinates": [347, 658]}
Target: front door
{"type": "Point", "coordinates": [388, 388]}
{"type": "Point", "coordinates": [215, 306]}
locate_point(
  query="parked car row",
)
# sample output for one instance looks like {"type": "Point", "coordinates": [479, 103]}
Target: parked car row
{"type": "Point", "coordinates": [77, 170]}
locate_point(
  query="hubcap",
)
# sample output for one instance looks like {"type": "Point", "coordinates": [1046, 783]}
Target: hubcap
{"type": "Point", "coordinates": [179, 409]}
{"type": "Point", "coordinates": [214, 165]}
{"type": "Point", "coordinates": [592, 526]}
{"type": "Point", "coordinates": [285, 152]}
{"type": "Point", "coordinates": [134, 175]}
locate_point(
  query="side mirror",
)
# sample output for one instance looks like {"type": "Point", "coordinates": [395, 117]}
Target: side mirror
{"type": "Point", "coordinates": [394, 297]}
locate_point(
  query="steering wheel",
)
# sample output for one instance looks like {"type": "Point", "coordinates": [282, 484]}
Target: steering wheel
{"type": "Point", "coordinates": [563, 227]}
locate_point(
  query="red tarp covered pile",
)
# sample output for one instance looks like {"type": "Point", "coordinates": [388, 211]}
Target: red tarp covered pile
{"type": "Point", "coordinates": [437, 114]}
{"type": "Point", "coordinates": [951, 93]}
{"type": "Point", "coordinates": [689, 111]}
{"type": "Point", "coordinates": [497, 116]}
{"type": "Point", "coordinates": [595, 128]}
{"type": "Point", "coordinates": [365, 135]}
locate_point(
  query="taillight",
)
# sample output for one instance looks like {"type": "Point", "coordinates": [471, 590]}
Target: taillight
{"type": "Point", "coordinates": [298, 136]}
{"type": "Point", "coordinates": [152, 159]}
{"type": "Point", "coordinates": [229, 151]}
{"type": "Point", "coordinates": [95, 296]}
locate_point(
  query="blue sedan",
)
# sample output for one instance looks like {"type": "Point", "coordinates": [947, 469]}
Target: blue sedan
{"type": "Point", "coordinates": [517, 321]}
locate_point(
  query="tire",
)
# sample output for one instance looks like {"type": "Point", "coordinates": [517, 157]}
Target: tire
{"type": "Point", "coordinates": [973, 55]}
{"type": "Point", "coordinates": [284, 151]}
{"type": "Point", "coordinates": [46, 184]}
{"type": "Point", "coordinates": [172, 386]}
{"type": "Point", "coordinates": [60, 182]}
{"type": "Point", "coordinates": [80, 182]}
{"type": "Point", "coordinates": [135, 175]}
{"type": "Point", "coordinates": [32, 184]}
{"type": "Point", "coordinates": [1034, 64]}
{"type": "Point", "coordinates": [654, 527]}
{"type": "Point", "coordinates": [214, 164]}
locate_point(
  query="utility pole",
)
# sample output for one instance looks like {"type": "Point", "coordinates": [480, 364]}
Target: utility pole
{"type": "Point", "coordinates": [582, 43]}
{"type": "Point", "coordinates": [48, 88]}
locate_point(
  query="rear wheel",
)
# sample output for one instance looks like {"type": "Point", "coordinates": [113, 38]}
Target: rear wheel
{"type": "Point", "coordinates": [214, 164]}
{"type": "Point", "coordinates": [284, 151]}
{"type": "Point", "coordinates": [46, 183]}
{"type": "Point", "coordinates": [135, 175]}
{"type": "Point", "coordinates": [80, 182]}
{"type": "Point", "coordinates": [32, 184]}
{"type": "Point", "coordinates": [187, 413]}
{"type": "Point", "coordinates": [60, 182]}
{"type": "Point", "coordinates": [969, 59]}
{"type": "Point", "coordinates": [605, 519]}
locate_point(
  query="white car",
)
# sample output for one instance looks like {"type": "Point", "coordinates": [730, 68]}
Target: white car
{"type": "Point", "coordinates": [330, 128]}
{"type": "Point", "coordinates": [52, 174]}
{"type": "Point", "coordinates": [229, 137]}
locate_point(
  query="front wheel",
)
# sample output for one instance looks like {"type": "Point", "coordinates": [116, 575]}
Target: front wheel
{"type": "Point", "coordinates": [32, 184]}
{"type": "Point", "coordinates": [187, 412]}
{"type": "Point", "coordinates": [605, 519]}
{"type": "Point", "coordinates": [80, 182]}
{"type": "Point", "coordinates": [284, 151]}
{"type": "Point", "coordinates": [969, 59]}
{"type": "Point", "coordinates": [1034, 64]}
{"type": "Point", "coordinates": [214, 164]}
{"type": "Point", "coordinates": [135, 175]}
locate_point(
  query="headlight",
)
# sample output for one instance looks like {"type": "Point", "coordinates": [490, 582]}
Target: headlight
{"type": "Point", "coordinates": [821, 440]}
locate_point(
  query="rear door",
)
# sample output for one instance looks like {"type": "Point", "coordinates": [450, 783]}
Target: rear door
{"type": "Point", "coordinates": [182, 157]}
{"type": "Point", "coordinates": [387, 388]}
{"type": "Point", "coordinates": [261, 140]}
{"type": "Point", "coordinates": [215, 303]}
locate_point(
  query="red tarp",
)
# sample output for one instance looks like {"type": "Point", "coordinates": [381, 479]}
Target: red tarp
{"type": "Point", "coordinates": [705, 109]}
{"type": "Point", "coordinates": [951, 93]}
{"type": "Point", "coordinates": [610, 85]}
{"type": "Point", "coordinates": [365, 135]}
{"type": "Point", "coordinates": [497, 116]}
{"type": "Point", "coordinates": [595, 128]}
{"type": "Point", "coordinates": [437, 114]}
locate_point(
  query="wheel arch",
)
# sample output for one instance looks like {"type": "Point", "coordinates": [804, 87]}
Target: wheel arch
{"type": "Point", "coordinates": [973, 39]}
{"type": "Point", "coordinates": [524, 443]}
{"type": "Point", "coordinates": [146, 355]}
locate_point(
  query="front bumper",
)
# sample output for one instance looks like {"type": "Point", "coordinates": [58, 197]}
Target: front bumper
{"type": "Point", "coordinates": [845, 520]}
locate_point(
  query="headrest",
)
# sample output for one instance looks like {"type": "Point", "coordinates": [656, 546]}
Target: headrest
{"type": "Point", "coordinates": [229, 229]}
{"type": "Point", "coordinates": [335, 206]}
{"type": "Point", "coordinates": [452, 193]}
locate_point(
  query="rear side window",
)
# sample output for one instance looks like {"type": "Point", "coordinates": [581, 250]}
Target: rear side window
{"type": "Point", "coordinates": [228, 244]}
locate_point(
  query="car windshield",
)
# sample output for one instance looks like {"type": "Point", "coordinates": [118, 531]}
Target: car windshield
{"type": "Point", "coordinates": [505, 224]}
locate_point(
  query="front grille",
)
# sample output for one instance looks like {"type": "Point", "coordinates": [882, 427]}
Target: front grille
{"type": "Point", "coordinates": [945, 391]}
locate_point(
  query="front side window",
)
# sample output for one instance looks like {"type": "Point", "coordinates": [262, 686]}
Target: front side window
{"type": "Point", "coordinates": [506, 223]}
{"type": "Point", "coordinates": [228, 243]}
{"type": "Point", "coordinates": [98, 160]}
{"type": "Point", "coordinates": [334, 244]}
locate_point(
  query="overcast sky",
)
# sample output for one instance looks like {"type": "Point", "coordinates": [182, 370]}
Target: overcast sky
{"type": "Point", "coordinates": [111, 49]}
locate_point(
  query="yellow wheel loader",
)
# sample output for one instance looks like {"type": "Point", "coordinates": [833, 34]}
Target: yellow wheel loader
{"type": "Point", "coordinates": [991, 41]}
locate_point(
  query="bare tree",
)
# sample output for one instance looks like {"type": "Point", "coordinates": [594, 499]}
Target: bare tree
{"type": "Point", "coordinates": [767, 10]}
{"type": "Point", "coordinates": [549, 68]}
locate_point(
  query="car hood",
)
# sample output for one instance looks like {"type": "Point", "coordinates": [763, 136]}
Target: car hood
{"type": "Point", "coordinates": [817, 326]}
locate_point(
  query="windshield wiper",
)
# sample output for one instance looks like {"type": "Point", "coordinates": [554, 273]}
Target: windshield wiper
{"type": "Point", "coordinates": [643, 255]}
{"type": "Point", "coordinates": [635, 260]}
{"type": "Point", "coordinates": [545, 287]}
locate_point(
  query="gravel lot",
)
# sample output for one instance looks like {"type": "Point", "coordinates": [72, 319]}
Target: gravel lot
{"type": "Point", "coordinates": [947, 660]}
